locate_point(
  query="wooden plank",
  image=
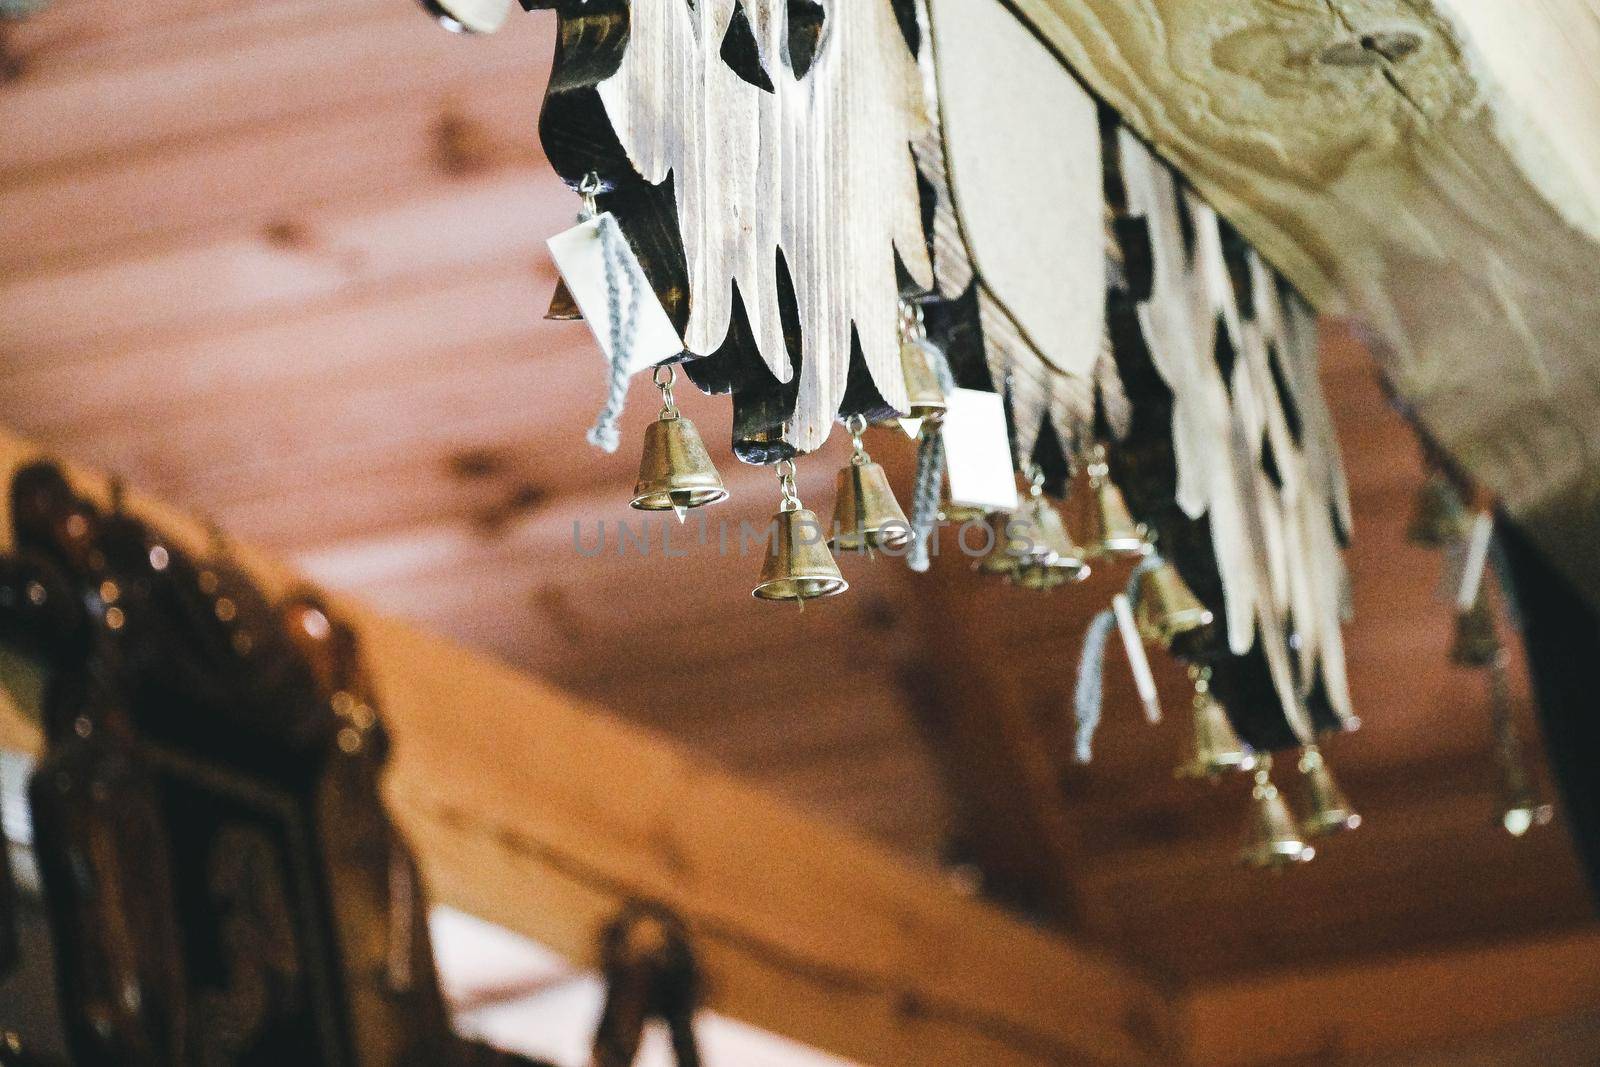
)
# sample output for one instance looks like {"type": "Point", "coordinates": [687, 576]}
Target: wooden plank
{"type": "Point", "coordinates": [251, 276]}
{"type": "Point", "coordinates": [1446, 195]}
{"type": "Point", "coordinates": [545, 816]}
{"type": "Point", "coordinates": [1379, 1005]}
{"type": "Point", "coordinates": [299, 58]}
{"type": "Point", "coordinates": [417, 139]}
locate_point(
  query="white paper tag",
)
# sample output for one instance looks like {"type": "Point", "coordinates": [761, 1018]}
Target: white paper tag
{"type": "Point", "coordinates": [1133, 644]}
{"type": "Point", "coordinates": [977, 449]}
{"type": "Point", "coordinates": [580, 256]}
{"type": "Point", "coordinates": [1477, 560]}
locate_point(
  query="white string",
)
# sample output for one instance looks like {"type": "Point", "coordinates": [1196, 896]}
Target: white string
{"type": "Point", "coordinates": [605, 434]}
{"type": "Point", "coordinates": [925, 497]}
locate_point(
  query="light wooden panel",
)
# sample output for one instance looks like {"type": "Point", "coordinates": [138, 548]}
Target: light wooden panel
{"type": "Point", "coordinates": [1444, 194]}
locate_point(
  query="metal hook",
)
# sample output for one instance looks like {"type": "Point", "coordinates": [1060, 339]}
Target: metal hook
{"type": "Point", "coordinates": [651, 973]}
{"type": "Point", "coordinates": [590, 189]}
{"type": "Point", "coordinates": [786, 473]}
{"type": "Point", "coordinates": [669, 406]}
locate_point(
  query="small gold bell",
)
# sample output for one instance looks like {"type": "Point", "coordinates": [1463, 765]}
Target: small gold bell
{"type": "Point", "coordinates": [1272, 839]}
{"type": "Point", "coordinates": [1217, 747]}
{"type": "Point", "coordinates": [923, 389]}
{"type": "Point", "coordinates": [798, 566]}
{"type": "Point", "coordinates": [1114, 532]}
{"type": "Point", "coordinates": [1056, 558]}
{"type": "Point", "coordinates": [1440, 517]}
{"type": "Point", "coordinates": [675, 472]}
{"type": "Point", "coordinates": [563, 308]}
{"type": "Point", "coordinates": [1048, 555]}
{"type": "Point", "coordinates": [1010, 536]}
{"type": "Point", "coordinates": [926, 398]}
{"type": "Point", "coordinates": [1476, 643]}
{"type": "Point", "coordinates": [1521, 806]}
{"type": "Point", "coordinates": [1327, 810]}
{"type": "Point", "coordinates": [1167, 607]}
{"type": "Point", "coordinates": [866, 516]}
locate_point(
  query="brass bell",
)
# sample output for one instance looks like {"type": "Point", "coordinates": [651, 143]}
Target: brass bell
{"type": "Point", "coordinates": [950, 511]}
{"type": "Point", "coordinates": [1114, 531]}
{"type": "Point", "coordinates": [1440, 516]}
{"type": "Point", "coordinates": [1056, 558]}
{"type": "Point", "coordinates": [675, 472]}
{"type": "Point", "coordinates": [919, 361]}
{"type": "Point", "coordinates": [866, 516]}
{"type": "Point", "coordinates": [1167, 607]}
{"type": "Point", "coordinates": [926, 397]}
{"type": "Point", "coordinates": [563, 308]}
{"type": "Point", "coordinates": [1327, 810]}
{"type": "Point", "coordinates": [1217, 747]}
{"type": "Point", "coordinates": [1476, 643]}
{"type": "Point", "coordinates": [1521, 806]}
{"type": "Point", "coordinates": [1009, 538]}
{"type": "Point", "coordinates": [1272, 839]}
{"type": "Point", "coordinates": [798, 566]}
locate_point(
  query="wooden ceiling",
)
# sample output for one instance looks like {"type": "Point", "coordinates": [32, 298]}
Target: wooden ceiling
{"type": "Point", "coordinates": [282, 262]}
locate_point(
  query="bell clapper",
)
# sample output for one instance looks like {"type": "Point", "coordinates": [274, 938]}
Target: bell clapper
{"type": "Point", "coordinates": [675, 470]}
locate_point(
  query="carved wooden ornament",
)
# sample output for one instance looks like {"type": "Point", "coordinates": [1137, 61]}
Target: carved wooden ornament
{"type": "Point", "coordinates": [816, 166]}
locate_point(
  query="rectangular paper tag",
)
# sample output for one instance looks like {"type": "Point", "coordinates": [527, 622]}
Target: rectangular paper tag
{"type": "Point", "coordinates": [1133, 644]}
{"type": "Point", "coordinates": [580, 256]}
{"type": "Point", "coordinates": [977, 449]}
{"type": "Point", "coordinates": [1477, 560]}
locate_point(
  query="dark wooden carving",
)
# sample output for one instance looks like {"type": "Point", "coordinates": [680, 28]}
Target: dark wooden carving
{"type": "Point", "coordinates": [224, 885]}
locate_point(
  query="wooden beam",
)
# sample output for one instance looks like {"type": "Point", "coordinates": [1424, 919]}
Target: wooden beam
{"type": "Point", "coordinates": [545, 815]}
{"type": "Point", "coordinates": [985, 724]}
{"type": "Point", "coordinates": [1428, 167]}
{"type": "Point", "coordinates": [1328, 1015]}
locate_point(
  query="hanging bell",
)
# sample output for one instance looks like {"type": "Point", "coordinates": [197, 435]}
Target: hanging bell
{"type": "Point", "coordinates": [798, 566]}
{"type": "Point", "coordinates": [1010, 535]}
{"type": "Point", "coordinates": [926, 399]}
{"type": "Point", "coordinates": [1217, 747]}
{"type": "Point", "coordinates": [1476, 643]}
{"type": "Point", "coordinates": [1327, 810]}
{"type": "Point", "coordinates": [675, 472]}
{"type": "Point", "coordinates": [950, 511]}
{"type": "Point", "coordinates": [1272, 839]}
{"type": "Point", "coordinates": [1114, 531]}
{"type": "Point", "coordinates": [1521, 806]}
{"type": "Point", "coordinates": [1167, 607]}
{"type": "Point", "coordinates": [866, 516]}
{"type": "Point", "coordinates": [919, 361]}
{"type": "Point", "coordinates": [563, 308]}
{"type": "Point", "coordinates": [1440, 515]}
{"type": "Point", "coordinates": [1056, 558]}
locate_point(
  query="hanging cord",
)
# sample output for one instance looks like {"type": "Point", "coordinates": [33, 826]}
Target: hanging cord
{"type": "Point", "coordinates": [402, 920]}
{"type": "Point", "coordinates": [1089, 699]}
{"type": "Point", "coordinates": [926, 490]}
{"type": "Point", "coordinates": [925, 498]}
{"type": "Point", "coordinates": [605, 434]}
